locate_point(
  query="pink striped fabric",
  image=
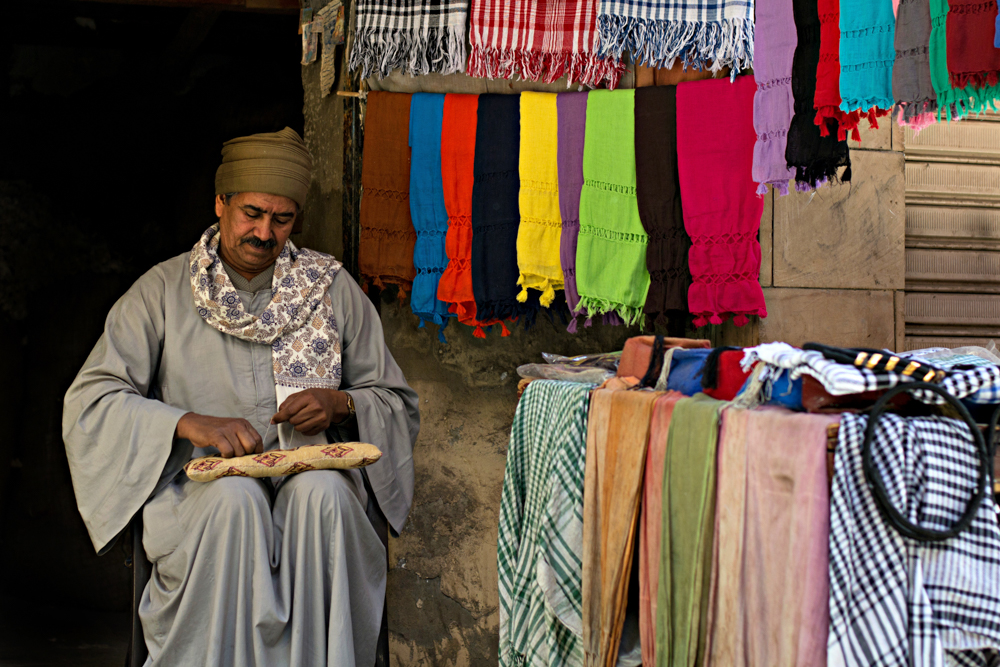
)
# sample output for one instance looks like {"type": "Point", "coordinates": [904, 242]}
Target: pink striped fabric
{"type": "Point", "coordinates": [539, 40]}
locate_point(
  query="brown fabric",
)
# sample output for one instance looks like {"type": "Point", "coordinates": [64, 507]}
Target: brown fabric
{"type": "Point", "coordinates": [385, 252]}
{"type": "Point", "coordinates": [671, 76]}
{"type": "Point", "coordinates": [658, 192]}
{"type": "Point", "coordinates": [617, 433]}
{"type": "Point", "coordinates": [275, 163]}
{"type": "Point", "coordinates": [639, 349]}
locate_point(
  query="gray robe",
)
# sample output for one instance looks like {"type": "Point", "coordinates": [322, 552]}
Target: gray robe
{"type": "Point", "coordinates": [227, 555]}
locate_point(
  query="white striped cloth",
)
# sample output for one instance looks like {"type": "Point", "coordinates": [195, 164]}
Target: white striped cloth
{"type": "Point", "coordinates": [705, 34]}
{"type": "Point", "coordinates": [896, 601]}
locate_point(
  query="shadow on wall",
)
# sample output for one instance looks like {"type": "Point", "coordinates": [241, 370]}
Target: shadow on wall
{"type": "Point", "coordinates": [111, 121]}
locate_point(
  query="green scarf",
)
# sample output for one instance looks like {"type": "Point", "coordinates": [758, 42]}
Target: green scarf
{"type": "Point", "coordinates": [688, 532]}
{"type": "Point", "coordinates": [611, 272]}
{"type": "Point", "coordinates": [953, 103]}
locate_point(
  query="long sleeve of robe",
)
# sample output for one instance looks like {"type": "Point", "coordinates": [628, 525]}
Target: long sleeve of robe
{"type": "Point", "coordinates": [158, 359]}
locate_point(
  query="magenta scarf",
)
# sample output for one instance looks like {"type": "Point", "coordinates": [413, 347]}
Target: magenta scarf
{"type": "Point", "coordinates": [715, 150]}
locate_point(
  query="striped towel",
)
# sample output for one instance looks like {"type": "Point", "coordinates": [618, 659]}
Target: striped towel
{"type": "Point", "coordinates": [896, 601]}
{"type": "Point", "coordinates": [540, 40]}
{"type": "Point", "coordinates": [541, 527]}
{"type": "Point", "coordinates": [705, 34]}
{"type": "Point", "coordinates": [415, 36]}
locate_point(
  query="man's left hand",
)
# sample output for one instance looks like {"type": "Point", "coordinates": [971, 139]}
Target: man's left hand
{"type": "Point", "coordinates": [311, 411]}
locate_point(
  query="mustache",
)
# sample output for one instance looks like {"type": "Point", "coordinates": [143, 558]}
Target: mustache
{"type": "Point", "coordinates": [257, 243]}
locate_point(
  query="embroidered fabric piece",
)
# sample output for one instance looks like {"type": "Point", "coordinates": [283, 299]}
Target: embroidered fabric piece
{"type": "Point", "coordinates": [722, 211]}
{"type": "Point", "coordinates": [973, 62]}
{"type": "Point", "coordinates": [704, 34]}
{"type": "Point", "coordinates": [427, 208]}
{"type": "Point", "coordinates": [774, 50]}
{"type": "Point", "coordinates": [658, 195]}
{"type": "Point", "coordinates": [540, 40]}
{"type": "Point", "coordinates": [495, 212]}
{"type": "Point", "coordinates": [538, 236]}
{"type": "Point", "coordinates": [816, 158]}
{"type": "Point", "coordinates": [385, 251]}
{"type": "Point", "coordinates": [867, 34]}
{"type": "Point", "coordinates": [414, 36]}
{"type": "Point", "coordinates": [611, 270]}
{"type": "Point", "coordinates": [911, 74]}
{"type": "Point", "coordinates": [298, 324]}
{"type": "Point", "coordinates": [458, 151]}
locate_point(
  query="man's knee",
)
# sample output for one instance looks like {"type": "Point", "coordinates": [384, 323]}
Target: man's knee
{"type": "Point", "coordinates": [329, 490]}
{"type": "Point", "coordinates": [237, 500]}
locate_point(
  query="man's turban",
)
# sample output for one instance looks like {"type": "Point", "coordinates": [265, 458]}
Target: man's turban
{"type": "Point", "coordinates": [276, 163]}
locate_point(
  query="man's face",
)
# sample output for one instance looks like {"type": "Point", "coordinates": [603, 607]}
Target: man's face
{"type": "Point", "coordinates": [253, 229]}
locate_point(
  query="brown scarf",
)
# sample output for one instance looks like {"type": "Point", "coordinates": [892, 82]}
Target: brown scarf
{"type": "Point", "coordinates": [385, 253]}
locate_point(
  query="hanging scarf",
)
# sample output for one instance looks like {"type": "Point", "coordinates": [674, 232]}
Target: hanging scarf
{"type": "Point", "coordinates": [540, 531]}
{"type": "Point", "coordinates": [867, 33]}
{"type": "Point", "coordinates": [894, 600]}
{"type": "Point", "coordinates": [911, 73]}
{"type": "Point", "coordinates": [687, 532]}
{"type": "Point", "coordinates": [658, 195]}
{"type": "Point", "coordinates": [827, 102]}
{"type": "Point", "coordinates": [417, 37]}
{"type": "Point", "coordinates": [705, 34]}
{"type": "Point", "coordinates": [430, 216]}
{"type": "Point", "coordinates": [385, 253]}
{"type": "Point", "coordinates": [540, 40]}
{"type": "Point", "coordinates": [538, 236]}
{"type": "Point", "coordinates": [458, 150]}
{"type": "Point", "coordinates": [721, 208]}
{"type": "Point", "coordinates": [617, 435]}
{"type": "Point", "coordinates": [973, 62]}
{"type": "Point", "coordinates": [298, 324]}
{"type": "Point", "coordinates": [815, 157]}
{"type": "Point", "coordinates": [953, 103]}
{"type": "Point", "coordinates": [495, 212]}
{"type": "Point", "coordinates": [611, 270]}
{"type": "Point", "coordinates": [774, 49]}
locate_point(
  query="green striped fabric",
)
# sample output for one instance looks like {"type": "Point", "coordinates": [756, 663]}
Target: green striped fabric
{"type": "Point", "coordinates": [540, 539]}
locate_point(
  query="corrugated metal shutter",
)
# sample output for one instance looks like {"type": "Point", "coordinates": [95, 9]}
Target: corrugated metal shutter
{"type": "Point", "coordinates": [953, 233]}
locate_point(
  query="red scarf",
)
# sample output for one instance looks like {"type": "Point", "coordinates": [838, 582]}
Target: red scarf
{"type": "Point", "coordinates": [972, 58]}
{"type": "Point", "coordinates": [458, 152]}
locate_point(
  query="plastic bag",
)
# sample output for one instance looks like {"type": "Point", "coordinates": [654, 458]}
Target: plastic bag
{"type": "Point", "coordinates": [606, 360]}
{"type": "Point", "coordinates": [565, 372]}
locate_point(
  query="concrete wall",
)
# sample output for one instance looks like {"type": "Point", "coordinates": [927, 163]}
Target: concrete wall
{"type": "Point", "coordinates": [832, 266]}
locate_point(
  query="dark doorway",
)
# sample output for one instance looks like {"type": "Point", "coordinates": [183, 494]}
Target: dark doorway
{"type": "Point", "coordinates": [112, 116]}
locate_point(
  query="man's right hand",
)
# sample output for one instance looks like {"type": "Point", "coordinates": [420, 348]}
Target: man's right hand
{"type": "Point", "coordinates": [232, 437]}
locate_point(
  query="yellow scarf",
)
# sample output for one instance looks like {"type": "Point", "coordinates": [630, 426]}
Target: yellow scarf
{"type": "Point", "coordinates": [541, 226]}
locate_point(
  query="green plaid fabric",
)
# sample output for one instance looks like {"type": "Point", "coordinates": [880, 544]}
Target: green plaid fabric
{"type": "Point", "coordinates": [540, 539]}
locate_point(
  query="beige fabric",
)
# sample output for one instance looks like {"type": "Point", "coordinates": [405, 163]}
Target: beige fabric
{"type": "Point", "coordinates": [279, 462]}
{"type": "Point", "coordinates": [276, 163]}
{"type": "Point", "coordinates": [617, 434]}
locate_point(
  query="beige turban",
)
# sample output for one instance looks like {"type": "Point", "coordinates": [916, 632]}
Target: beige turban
{"type": "Point", "coordinates": [276, 163]}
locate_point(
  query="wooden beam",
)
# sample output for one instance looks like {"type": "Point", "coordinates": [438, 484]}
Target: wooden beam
{"type": "Point", "coordinates": [269, 6]}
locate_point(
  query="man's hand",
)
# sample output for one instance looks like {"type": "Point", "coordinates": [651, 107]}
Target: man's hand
{"type": "Point", "coordinates": [232, 437]}
{"type": "Point", "coordinates": [311, 411]}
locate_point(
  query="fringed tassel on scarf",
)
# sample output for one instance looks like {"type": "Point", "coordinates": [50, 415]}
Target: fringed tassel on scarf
{"type": "Point", "coordinates": [589, 69]}
{"type": "Point", "coordinates": [700, 46]}
{"type": "Point", "coordinates": [379, 51]}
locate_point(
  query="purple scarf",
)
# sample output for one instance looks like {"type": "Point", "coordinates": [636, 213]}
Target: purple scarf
{"type": "Point", "coordinates": [572, 111]}
{"type": "Point", "coordinates": [773, 104]}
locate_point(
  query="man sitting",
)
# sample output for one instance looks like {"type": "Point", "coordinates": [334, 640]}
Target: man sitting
{"type": "Point", "coordinates": [245, 344]}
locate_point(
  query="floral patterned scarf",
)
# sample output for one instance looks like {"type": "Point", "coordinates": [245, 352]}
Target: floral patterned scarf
{"type": "Point", "coordinates": [298, 324]}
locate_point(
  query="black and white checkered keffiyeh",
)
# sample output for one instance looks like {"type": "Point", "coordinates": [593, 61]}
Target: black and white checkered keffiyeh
{"type": "Point", "coordinates": [896, 601]}
{"type": "Point", "coordinates": [414, 36]}
{"type": "Point", "coordinates": [979, 385]}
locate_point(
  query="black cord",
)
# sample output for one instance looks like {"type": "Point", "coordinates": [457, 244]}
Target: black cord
{"type": "Point", "coordinates": [902, 525]}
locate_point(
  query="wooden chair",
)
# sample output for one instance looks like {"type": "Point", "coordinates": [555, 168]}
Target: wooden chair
{"type": "Point", "coordinates": [142, 569]}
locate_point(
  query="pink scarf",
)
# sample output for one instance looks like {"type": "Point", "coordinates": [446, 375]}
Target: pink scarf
{"type": "Point", "coordinates": [715, 148]}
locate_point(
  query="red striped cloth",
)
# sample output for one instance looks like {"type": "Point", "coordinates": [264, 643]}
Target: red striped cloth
{"type": "Point", "coordinates": [539, 40]}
